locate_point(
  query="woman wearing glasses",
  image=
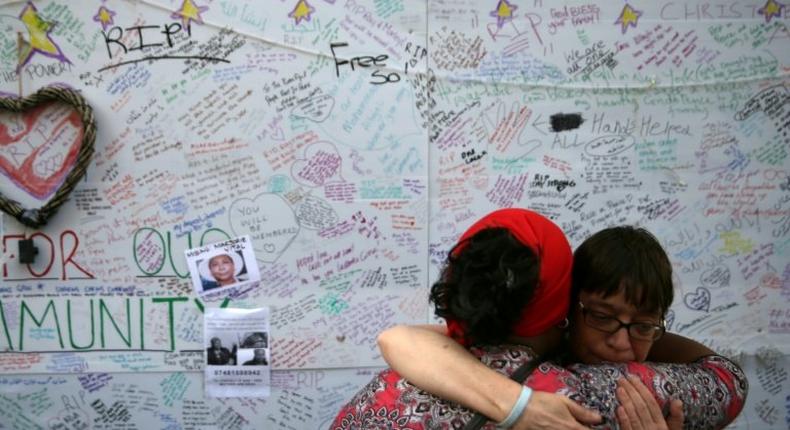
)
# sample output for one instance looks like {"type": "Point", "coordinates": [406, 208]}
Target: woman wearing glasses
{"type": "Point", "coordinates": [621, 278]}
{"type": "Point", "coordinates": [621, 290]}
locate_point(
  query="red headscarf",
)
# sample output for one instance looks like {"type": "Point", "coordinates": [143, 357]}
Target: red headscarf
{"type": "Point", "coordinates": [549, 304]}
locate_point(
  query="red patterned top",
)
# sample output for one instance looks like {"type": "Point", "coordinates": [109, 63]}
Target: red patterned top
{"type": "Point", "coordinates": [713, 390]}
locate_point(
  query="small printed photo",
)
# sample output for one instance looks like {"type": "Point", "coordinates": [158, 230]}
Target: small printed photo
{"type": "Point", "coordinates": [257, 339]}
{"type": "Point", "coordinates": [217, 266]}
{"type": "Point", "coordinates": [254, 357]}
{"type": "Point", "coordinates": [222, 350]}
{"type": "Point", "coordinates": [222, 270]}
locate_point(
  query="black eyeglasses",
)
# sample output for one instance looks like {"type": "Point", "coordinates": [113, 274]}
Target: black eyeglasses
{"type": "Point", "coordinates": [609, 324]}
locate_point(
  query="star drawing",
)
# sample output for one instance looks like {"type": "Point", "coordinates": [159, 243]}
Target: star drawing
{"type": "Point", "coordinates": [302, 11]}
{"type": "Point", "coordinates": [503, 12]}
{"type": "Point", "coordinates": [39, 40]}
{"type": "Point", "coordinates": [104, 17]}
{"type": "Point", "coordinates": [771, 9]}
{"type": "Point", "coordinates": [189, 12]}
{"type": "Point", "coordinates": [628, 17]}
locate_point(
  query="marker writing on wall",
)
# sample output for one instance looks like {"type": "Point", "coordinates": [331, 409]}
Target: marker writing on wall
{"type": "Point", "coordinates": [67, 248]}
{"type": "Point", "coordinates": [364, 61]}
{"type": "Point", "coordinates": [115, 36]}
{"type": "Point", "coordinates": [417, 53]}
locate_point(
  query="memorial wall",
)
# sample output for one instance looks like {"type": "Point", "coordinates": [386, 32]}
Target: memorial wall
{"type": "Point", "coordinates": [352, 141]}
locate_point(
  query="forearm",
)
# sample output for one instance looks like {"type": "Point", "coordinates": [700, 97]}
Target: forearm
{"type": "Point", "coordinates": [439, 365]}
{"type": "Point", "coordinates": [674, 348]}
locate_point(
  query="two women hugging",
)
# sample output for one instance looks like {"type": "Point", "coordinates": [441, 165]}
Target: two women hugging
{"type": "Point", "coordinates": [591, 324]}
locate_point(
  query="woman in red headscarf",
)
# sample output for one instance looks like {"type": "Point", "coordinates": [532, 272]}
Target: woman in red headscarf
{"type": "Point", "coordinates": [509, 280]}
{"type": "Point", "coordinates": [508, 275]}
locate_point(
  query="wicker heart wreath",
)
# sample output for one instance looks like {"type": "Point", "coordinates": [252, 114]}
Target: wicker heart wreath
{"type": "Point", "coordinates": [42, 156]}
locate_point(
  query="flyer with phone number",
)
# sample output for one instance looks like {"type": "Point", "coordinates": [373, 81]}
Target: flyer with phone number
{"type": "Point", "coordinates": [237, 352]}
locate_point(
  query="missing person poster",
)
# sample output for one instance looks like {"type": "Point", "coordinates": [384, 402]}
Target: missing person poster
{"type": "Point", "coordinates": [237, 352]}
{"type": "Point", "coordinates": [223, 268]}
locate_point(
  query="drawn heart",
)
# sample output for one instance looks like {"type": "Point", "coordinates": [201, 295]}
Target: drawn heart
{"type": "Point", "coordinates": [321, 163]}
{"type": "Point", "coordinates": [46, 145]}
{"type": "Point", "coordinates": [699, 300]}
{"type": "Point", "coordinates": [270, 222]}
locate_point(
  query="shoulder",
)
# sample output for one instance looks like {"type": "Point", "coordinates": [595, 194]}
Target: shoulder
{"type": "Point", "coordinates": [729, 374]}
{"type": "Point", "coordinates": [383, 402]}
{"type": "Point", "coordinates": [725, 364]}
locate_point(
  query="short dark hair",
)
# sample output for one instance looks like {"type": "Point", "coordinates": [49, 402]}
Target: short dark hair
{"type": "Point", "coordinates": [628, 259]}
{"type": "Point", "coordinates": [486, 283]}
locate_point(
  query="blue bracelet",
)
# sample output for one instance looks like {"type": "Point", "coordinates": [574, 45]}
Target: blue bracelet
{"type": "Point", "coordinates": [518, 408]}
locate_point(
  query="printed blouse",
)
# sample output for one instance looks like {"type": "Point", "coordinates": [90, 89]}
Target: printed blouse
{"type": "Point", "coordinates": [713, 390]}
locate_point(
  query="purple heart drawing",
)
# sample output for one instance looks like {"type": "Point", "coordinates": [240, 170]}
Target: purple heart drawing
{"type": "Point", "coordinates": [699, 300]}
{"type": "Point", "coordinates": [321, 163]}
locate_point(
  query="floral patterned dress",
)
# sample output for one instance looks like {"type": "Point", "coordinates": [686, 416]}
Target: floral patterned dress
{"type": "Point", "coordinates": [713, 390]}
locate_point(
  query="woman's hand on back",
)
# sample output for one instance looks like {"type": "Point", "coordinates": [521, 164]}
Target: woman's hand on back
{"type": "Point", "coordinates": [638, 409]}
